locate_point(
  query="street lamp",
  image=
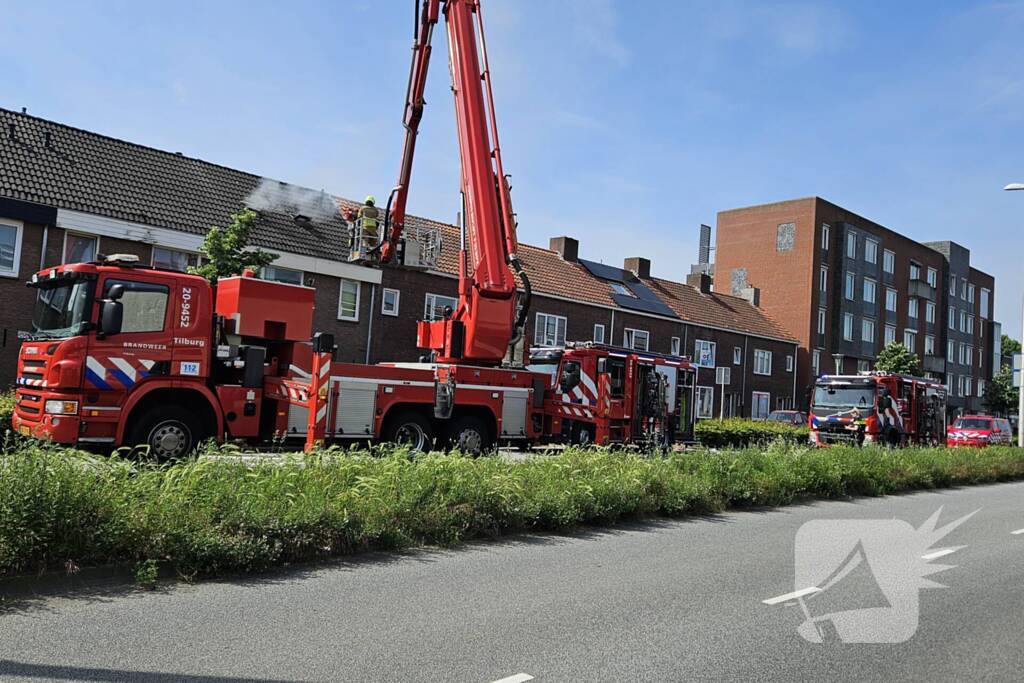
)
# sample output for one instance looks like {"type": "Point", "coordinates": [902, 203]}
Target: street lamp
{"type": "Point", "coordinates": [1020, 391]}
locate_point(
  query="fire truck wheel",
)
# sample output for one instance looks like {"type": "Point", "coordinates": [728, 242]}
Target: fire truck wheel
{"type": "Point", "coordinates": [170, 433]}
{"type": "Point", "coordinates": [581, 434]}
{"type": "Point", "coordinates": [410, 429]}
{"type": "Point", "coordinates": [470, 435]}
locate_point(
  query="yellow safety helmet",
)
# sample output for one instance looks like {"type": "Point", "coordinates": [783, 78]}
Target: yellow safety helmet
{"type": "Point", "coordinates": [370, 199]}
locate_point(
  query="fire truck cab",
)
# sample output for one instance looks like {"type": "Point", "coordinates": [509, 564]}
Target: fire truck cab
{"type": "Point", "coordinates": [877, 407]}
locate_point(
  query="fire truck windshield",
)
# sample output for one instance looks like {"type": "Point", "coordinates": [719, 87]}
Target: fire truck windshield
{"type": "Point", "coordinates": [61, 309]}
{"type": "Point", "coordinates": [844, 396]}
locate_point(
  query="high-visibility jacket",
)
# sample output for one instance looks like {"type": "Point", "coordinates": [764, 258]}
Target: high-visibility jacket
{"type": "Point", "coordinates": [368, 216]}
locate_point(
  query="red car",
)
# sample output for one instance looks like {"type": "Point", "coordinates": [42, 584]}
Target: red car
{"type": "Point", "coordinates": [979, 430]}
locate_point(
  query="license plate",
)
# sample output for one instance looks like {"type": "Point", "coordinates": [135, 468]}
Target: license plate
{"type": "Point", "coordinates": [25, 430]}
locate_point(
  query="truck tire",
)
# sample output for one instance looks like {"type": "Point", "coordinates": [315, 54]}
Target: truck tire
{"type": "Point", "coordinates": [410, 429]}
{"type": "Point", "coordinates": [170, 433]}
{"type": "Point", "coordinates": [581, 434]}
{"type": "Point", "coordinates": [470, 435]}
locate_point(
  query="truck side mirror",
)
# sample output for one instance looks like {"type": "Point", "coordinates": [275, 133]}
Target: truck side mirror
{"type": "Point", "coordinates": [111, 316]}
{"type": "Point", "coordinates": [569, 381]}
{"type": "Point", "coordinates": [115, 292]}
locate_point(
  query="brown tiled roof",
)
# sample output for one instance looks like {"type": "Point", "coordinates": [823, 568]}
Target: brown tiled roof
{"type": "Point", "coordinates": [85, 171]}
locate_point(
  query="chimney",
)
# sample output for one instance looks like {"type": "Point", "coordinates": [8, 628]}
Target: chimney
{"type": "Point", "coordinates": [640, 266]}
{"type": "Point", "coordinates": [700, 281]}
{"type": "Point", "coordinates": [567, 247]}
{"type": "Point", "coordinates": [751, 294]}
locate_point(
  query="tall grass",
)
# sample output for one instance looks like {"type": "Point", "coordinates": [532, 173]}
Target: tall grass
{"type": "Point", "coordinates": [214, 515]}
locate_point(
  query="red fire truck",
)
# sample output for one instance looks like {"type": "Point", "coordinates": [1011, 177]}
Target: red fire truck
{"type": "Point", "coordinates": [128, 354]}
{"type": "Point", "coordinates": [878, 407]}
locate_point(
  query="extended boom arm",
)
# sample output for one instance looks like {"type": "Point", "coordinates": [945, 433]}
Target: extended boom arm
{"type": "Point", "coordinates": [488, 318]}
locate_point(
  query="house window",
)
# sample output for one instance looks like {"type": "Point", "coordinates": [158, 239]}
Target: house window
{"type": "Point", "coordinates": [963, 353]}
{"type": "Point", "coordinates": [933, 277]}
{"type": "Point", "coordinates": [963, 321]}
{"type": "Point", "coordinates": [981, 387]}
{"type": "Point", "coordinates": [863, 366]}
{"type": "Point", "coordinates": [867, 330]}
{"type": "Point", "coordinates": [929, 345]}
{"type": "Point", "coordinates": [870, 251]}
{"type": "Point", "coordinates": [389, 302]}
{"type": "Point", "coordinates": [970, 294]}
{"type": "Point", "coordinates": [951, 351]}
{"type": "Point", "coordinates": [890, 300]}
{"type": "Point", "coordinates": [599, 333]}
{"type": "Point", "coordinates": [851, 245]}
{"type": "Point", "coordinates": [816, 362]}
{"type": "Point", "coordinates": [968, 385]}
{"type": "Point", "coordinates": [549, 330]}
{"type": "Point", "coordinates": [869, 290]}
{"type": "Point", "coordinates": [983, 303]}
{"type": "Point", "coordinates": [952, 318]}
{"type": "Point", "coordinates": [952, 285]}
{"type": "Point", "coordinates": [762, 362]}
{"type": "Point", "coordinates": [970, 324]}
{"type": "Point", "coordinates": [963, 288]}
{"type": "Point", "coordinates": [910, 339]}
{"type": "Point", "coordinates": [825, 230]}
{"type": "Point", "coordinates": [890, 334]}
{"type": "Point", "coordinates": [348, 301]}
{"type": "Point", "coordinates": [435, 305]}
{"type": "Point", "coordinates": [851, 284]}
{"type": "Point", "coordinates": [888, 261]}
{"type": "Point", "coordinates": [675, 346]}
{"type": "Point", "coordinates": [704, 353]}
{"type": "Point", "coordinates": [79, 248]}
{"type": "Point", "coordinates": [785, 236]}
{"type": "Point", "coordinates": [789, 362]}
{"type": "Point", "coordinates": [10, 247]}
{"type": "Point", "coordinates": [760, 405]}
{"type": "Point", "coordinates": [172, 259]}
{"type": "Point", "coordinates": [970, 356]}
{"type": "Point", "coordinates": [821, 321]}
{"type": "Point", "coordinates": [737, 355]}
{"type": "Point", "coordinates": [285, 275]}
{"type": "Point", "coordinates": [637, 340]}
{"type": "Point", "coordinates": [929, 312]}
{"type": "Point", "coordinates": [848, 326]}
{"type": "Point", "coordinates": [705, 402]}
{"type": "Point", "coordinates": [622, 289]}
{"type": "Point", "coordinates": [912, 305]}
{"type": "Point", "coordinates": [915, 271]}
{"type": "Point", "coordinates": [823, 279]}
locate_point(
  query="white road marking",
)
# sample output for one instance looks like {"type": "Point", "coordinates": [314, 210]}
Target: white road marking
{"type": "Point", "coordinates": [517, 678]}
{"type": "Point", "coordinates": [791, 596]}
{"type": "Point", "coordinates": [1018, 532]}
{"type": "Point", "coordinates": [940, 553]}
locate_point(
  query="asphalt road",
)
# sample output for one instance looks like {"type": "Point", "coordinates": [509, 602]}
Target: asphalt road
{"type": "Point", "coordinates": [667, 601]}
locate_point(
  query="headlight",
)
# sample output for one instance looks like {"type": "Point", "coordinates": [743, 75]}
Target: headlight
{"type": "Point", "coordinates": [58, 407]}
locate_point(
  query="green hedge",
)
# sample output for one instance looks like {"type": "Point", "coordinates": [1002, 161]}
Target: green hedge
{"type": "Point", "coordinates": [740, 433]}
{"type": "Point", "coordinates": [6, 409]}
{"type": "Point", "coordinates": [218, 515]}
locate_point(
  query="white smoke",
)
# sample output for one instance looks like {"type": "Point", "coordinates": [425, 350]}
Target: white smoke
{"type": "Point", "coordinates": [273, 195]}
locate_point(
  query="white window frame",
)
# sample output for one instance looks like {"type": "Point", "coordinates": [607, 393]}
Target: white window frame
{"type": "Point", "coordinates": [890, 335]}
{"type": "Point", "coordinates": [19, 231]}
{"type": "Point", "coordinates": [75, 233]}
{"type": "Point", "coordinates": [754, 396]}
{"type": "Point", "coordinates": [789, 362]}
{"type": "Point", "coordinates": [870, 250]}
{"type": "Point", "coordinates": [816, 362]}
{"type": "Point", "coordinates": [598, 326]}
{"type": "Point", "coordinates": [430, 304]}
{"type": "Point", "coordinates": [970, 324]}
{"type": "Point", "coordinates": [823, 280]}
{"type": "Point", "coordinates": [761, 358]}
{"type": "Point", "coordinates": [675, 346]}
{"type": "Point", "coordinates": [933, 277]}
{"type": "Point", "coordinates": [711, 402]}
{"type": "Point", "coordinates": [865, 325]}
{"type": "Point", "coordinates": [983, 304]}
{"type": "Point", "coordinates": [963, 321]}
{"type": "Point", "coordinates": [341, 290]}
{"type": "Point", "coordinates": [952, 285]}
{"type": "Point", "coordinates": [952, 318]}
{"type": "Point", "coordinates": [888, 261]}
{"type": "Point", "coordinates": [821, 321]}
{"type": "Point", "coordinates": [970, 293]}
{"type": "Point", "coordinates": [929, 344]}
{"type": "Point", "coordinates": [929, 312]}
{"type": "Point", "coordinates": [851, 245]}
{"type": "Point", "coordinates": [629, 338]}
{"type": "Point", "coordinates": [914, 267]}
{"type": "Point", "coordinates": [950, 350]}
{"type": "Point", "coordinates": [737, 355]}
{"type": "Point", "coordinates": [697, 345]}
{"type": "Point", "coordinates": [540, 329]}
{"type": "Point", "coordinates": [891, 299]}
{"type": "Point", "coordinates": [848, 323]}
{"type": "Point", "coordinates": [825, 233]}
{"type": "Point", "coordinates": [850, 288]}
{"type": "Point", "coordinates": [873, 286]}
{"type": "Point", "coordinates": [910, 334]}
{"type": "Point", "coordinates": [384, 299]}
{"type": "Point", "coordinates": [913, 307]}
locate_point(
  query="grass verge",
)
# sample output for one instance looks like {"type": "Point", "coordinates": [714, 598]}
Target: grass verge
{"type": "Point", "coordinates": [211, 516]}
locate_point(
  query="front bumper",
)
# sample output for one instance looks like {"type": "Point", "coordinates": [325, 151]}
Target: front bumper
{"type": "Point", "coordinates": [30, 418]}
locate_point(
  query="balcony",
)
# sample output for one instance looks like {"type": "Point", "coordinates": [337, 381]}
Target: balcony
{"type": "Point", "coordinates": [933, 363]}
{"type": "Point", "coordinates": [920, 289]}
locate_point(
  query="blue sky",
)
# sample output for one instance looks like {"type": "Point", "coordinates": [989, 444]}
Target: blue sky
{"type": "Point", "coordinates": [624, 123]}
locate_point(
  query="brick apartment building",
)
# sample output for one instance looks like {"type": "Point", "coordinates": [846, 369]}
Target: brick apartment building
{"type": "Point", "coordinates": [67, 195]}
{"type": "Point", "coordinates": [845, 286]}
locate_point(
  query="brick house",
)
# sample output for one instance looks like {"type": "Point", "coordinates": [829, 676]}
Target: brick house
{"type": "Point", "coordinates": [845, 286]}
{"type": "Point", "coordinates": [67, 195]}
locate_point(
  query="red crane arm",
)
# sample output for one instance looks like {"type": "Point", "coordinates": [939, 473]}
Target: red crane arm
{"type": "Point", "coordinates": [488, 317]}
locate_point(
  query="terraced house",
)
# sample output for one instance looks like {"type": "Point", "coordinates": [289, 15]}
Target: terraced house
{"type": "Point", "coordinates": [69, 195]}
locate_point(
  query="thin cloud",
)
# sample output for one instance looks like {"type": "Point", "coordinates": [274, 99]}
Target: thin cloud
{"type": "Point", "coordinates": [596, 25]}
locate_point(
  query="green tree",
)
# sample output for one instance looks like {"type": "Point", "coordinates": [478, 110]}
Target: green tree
{"type": "Point", "coordinates": [895, 357]}
{"type": "Point", "coordinates": [224, 249]}
{"type": "Point", "coordinates": [1000, 394]}
{"type": "Point", "coordinates": [1009, 345]}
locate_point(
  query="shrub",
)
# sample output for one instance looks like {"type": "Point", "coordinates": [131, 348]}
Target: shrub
{"type": "Point", "coordinates": [740, 433]}
{"type": "Point", "coordinates": [6, 409]}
